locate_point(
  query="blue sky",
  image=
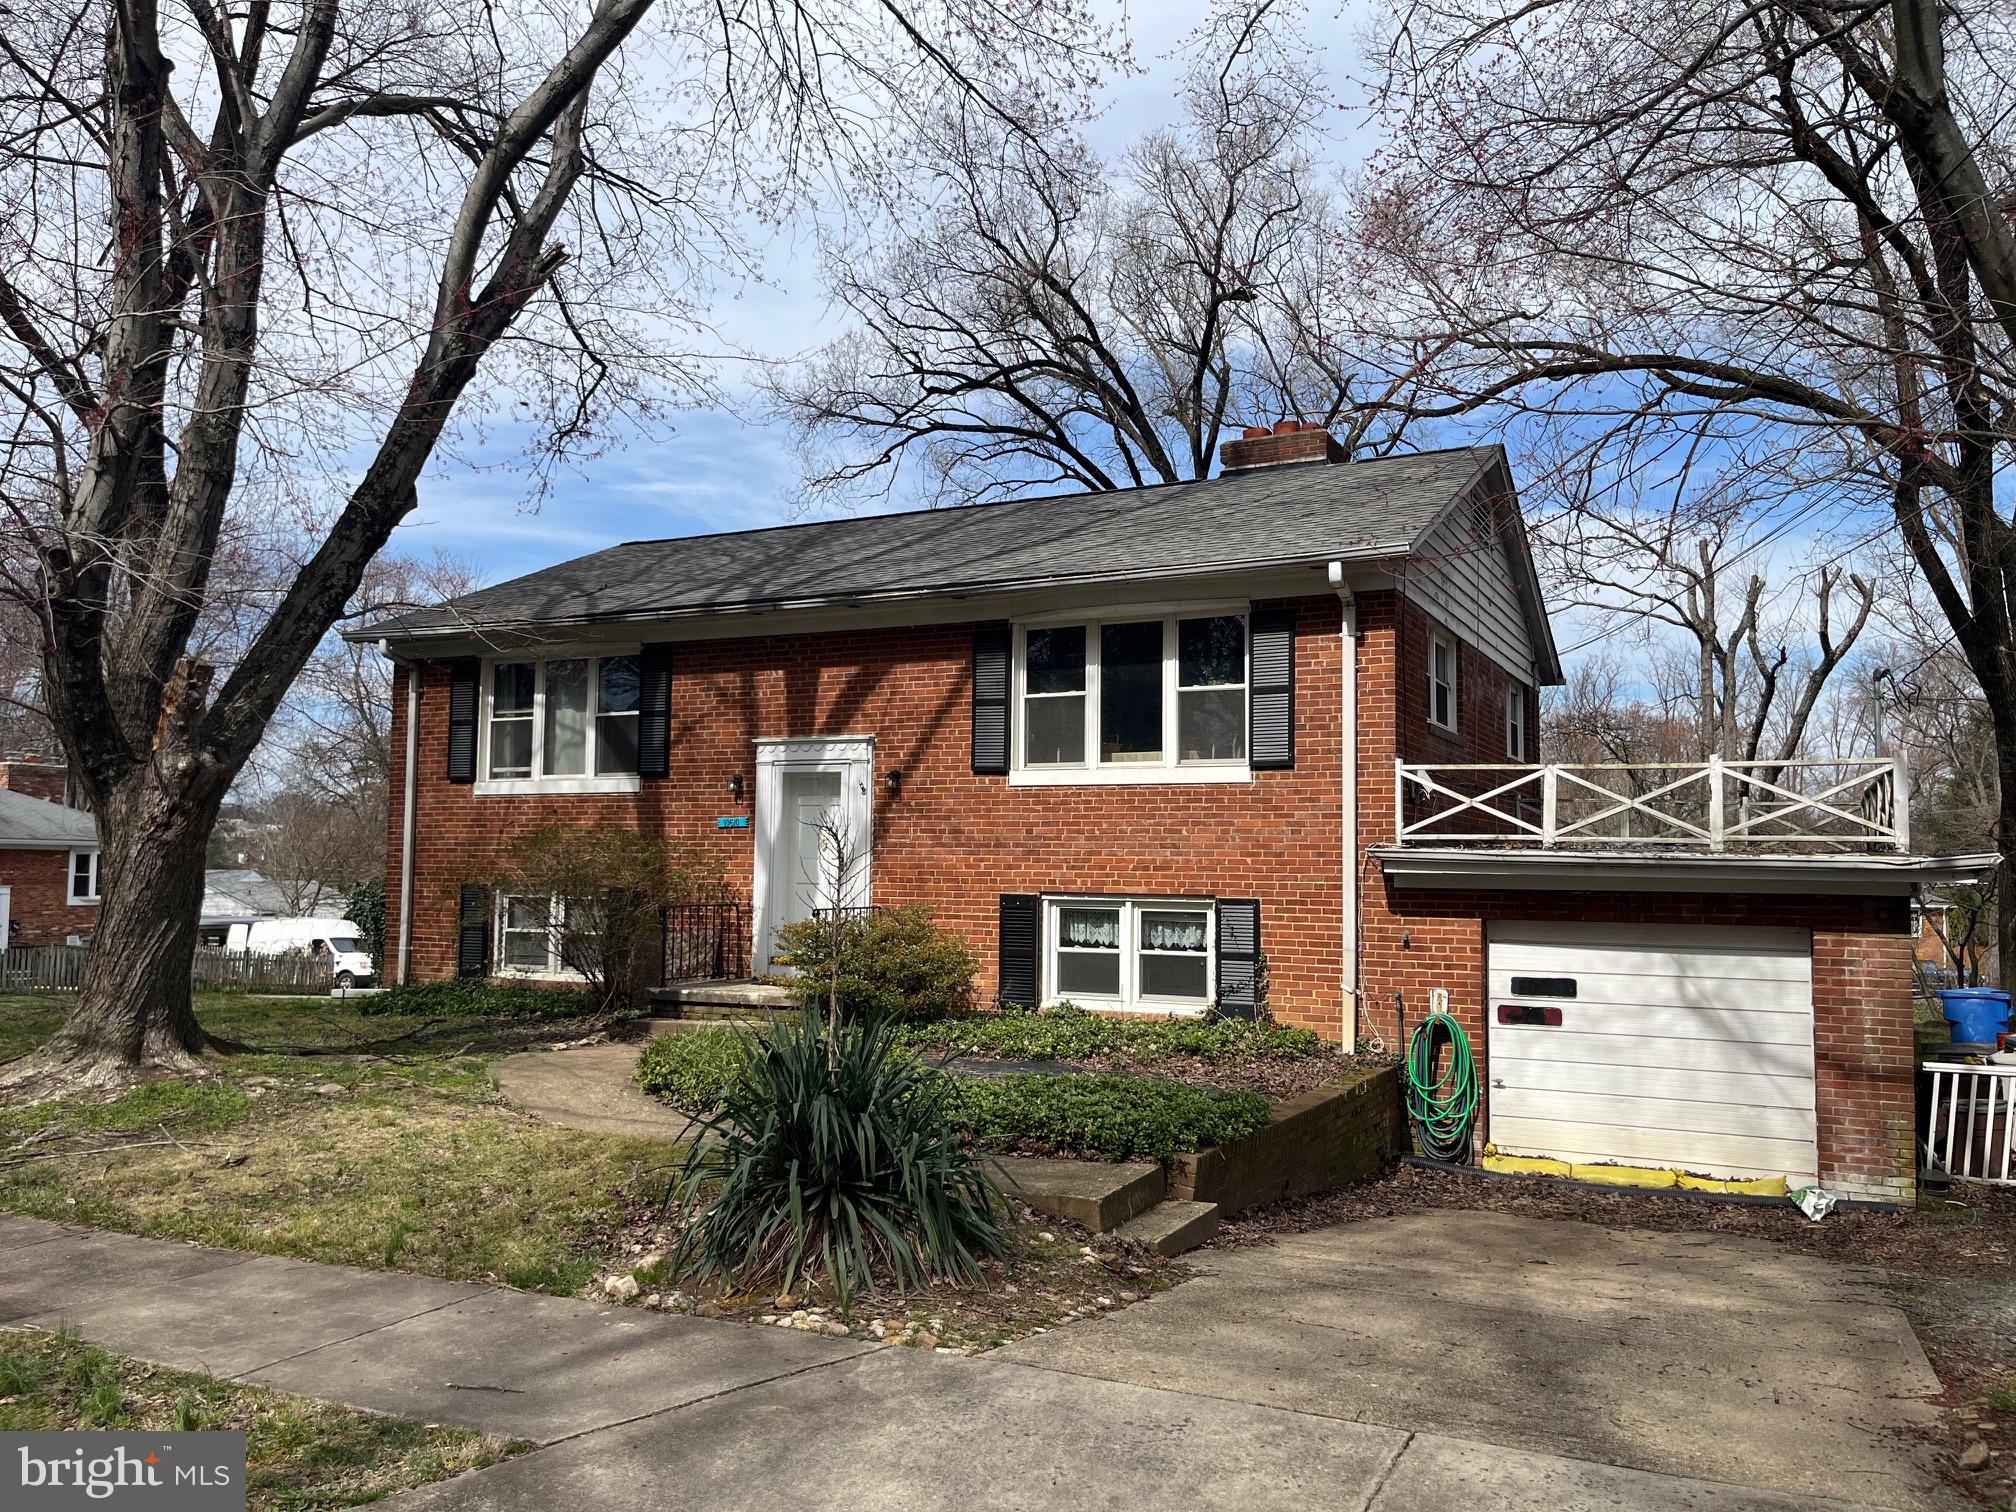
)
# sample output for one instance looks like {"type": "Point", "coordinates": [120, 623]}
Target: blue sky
{"type": "Point", "coordinates": [717, 471]}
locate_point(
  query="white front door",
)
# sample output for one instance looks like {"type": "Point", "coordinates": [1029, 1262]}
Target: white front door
{"type": "Point", "coordinates": [1675, 1046]}
{"type": "Point", "coordinates": [814, 832]}
{"type": "Point", "coordinates": [6, 917]}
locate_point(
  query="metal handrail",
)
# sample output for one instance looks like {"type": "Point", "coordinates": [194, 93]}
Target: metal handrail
{"type": "Point", "coordinates": [1710, 804]}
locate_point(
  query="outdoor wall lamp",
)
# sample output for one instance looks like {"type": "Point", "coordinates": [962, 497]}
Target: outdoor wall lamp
{"type": "Point", "coordinates": [735, 787]}
{"type": "Point", "coordinates": [895, 781]}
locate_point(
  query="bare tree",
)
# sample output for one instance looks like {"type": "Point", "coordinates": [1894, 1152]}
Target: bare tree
{"type": "Point", "coordinates": [1767, 233]}
{"type": "Point", "coordinates": [244, 247]}
{"type": "Point", "coordinates": [1055, 319]}
{"type": "Point", "coordinates": [1681, 572]}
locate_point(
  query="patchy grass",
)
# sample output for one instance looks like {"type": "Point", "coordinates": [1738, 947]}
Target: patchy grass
{"type": "Point", "coordinates": [300, 1454]}
{"type": "Point", "coordinates": [374, 1142]}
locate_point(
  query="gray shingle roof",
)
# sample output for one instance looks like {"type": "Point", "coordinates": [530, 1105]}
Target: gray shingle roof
{"type": "Point", "coordinates": [1270, 516]}
{"type": "Point", "coordinates": [27, 823]}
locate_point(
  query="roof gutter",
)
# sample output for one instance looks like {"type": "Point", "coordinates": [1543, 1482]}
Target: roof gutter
{"type": "Point", "coordinates": [1547, 870]}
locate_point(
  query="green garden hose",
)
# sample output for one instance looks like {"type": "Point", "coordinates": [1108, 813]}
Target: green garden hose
{"type": "Point", "coordinates": [1441, 1105]}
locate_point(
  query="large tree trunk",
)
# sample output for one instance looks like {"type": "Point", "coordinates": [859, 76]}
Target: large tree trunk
{"type": "Point", "coordinates": [133, 1018]}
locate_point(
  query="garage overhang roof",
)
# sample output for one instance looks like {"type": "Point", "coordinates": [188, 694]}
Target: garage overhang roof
{"type": "Point", "coordinates": [1613, 871]}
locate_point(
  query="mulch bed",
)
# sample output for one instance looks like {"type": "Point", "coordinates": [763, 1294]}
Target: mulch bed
{"type": "Point", "coordinates": [1056, 1274]}
{"type": "Point", "coordinates": [1952, 1266]}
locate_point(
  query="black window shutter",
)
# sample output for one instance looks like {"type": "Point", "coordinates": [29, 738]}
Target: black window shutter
{"type": "Point", "coordinates": [1238, 957]}
{"type": "Point", "coordinates": [1021, 949]}
{"type": "Point", "coordinates": [1271, 682]}
{"type": "Point", "coordinates": [472, 932]}
{"type": "Point", "coordinates": [654, 718]}
{"type": "Point", "coordinates": [990, 699]}
{"type": "Point", "coordinates": [464, 677]}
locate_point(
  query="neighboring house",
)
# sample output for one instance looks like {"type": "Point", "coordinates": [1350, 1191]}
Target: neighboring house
{"type": "Point", "coordinates": [1186, 747]}
{"type": "Point", "coordinates": [234, 898]}
{"type": "Point", "coordinates": [48, 858]}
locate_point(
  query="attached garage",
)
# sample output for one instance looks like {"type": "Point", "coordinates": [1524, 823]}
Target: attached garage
{"type": "Point", "coordinates": [1685, 1047]}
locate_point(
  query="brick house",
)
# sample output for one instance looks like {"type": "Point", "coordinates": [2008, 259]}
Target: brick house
{"type": "Point", "coordinates": [48, 858]}
{"type": "Point", "coordinates": [1188, 747]}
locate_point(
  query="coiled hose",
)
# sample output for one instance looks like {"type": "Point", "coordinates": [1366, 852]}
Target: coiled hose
{"type": "Point", "coordinates": [1441, 1105]}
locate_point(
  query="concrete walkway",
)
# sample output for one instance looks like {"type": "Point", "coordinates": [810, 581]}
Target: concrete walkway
{"type": "Point", "coordinates": [593, 1087]}
{"type": "Point", "coordinates": [642, 1411]}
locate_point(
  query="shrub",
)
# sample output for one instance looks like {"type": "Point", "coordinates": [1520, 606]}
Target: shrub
{"type": "Point", "coordinates": [1080, 1035]}
{"type": "Point", "coordinates": [460, 998]}
{"type": "Point", "coordinates": [692, 1070]}
{"type": "Point", "coordinates": [1114, 1117]}
{"type": "Point", "coordinates": [895, 964]}
{"type": "Point", "coordinates": [366, 909]}
{"type": "Point", "coordinates": [835, 1158]}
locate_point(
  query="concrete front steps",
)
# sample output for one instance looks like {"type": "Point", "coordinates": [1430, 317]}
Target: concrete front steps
{"type": "Point", "coordinates": [1129, 1199]}
{"type": "Point", "coordinates": [694, 1005]}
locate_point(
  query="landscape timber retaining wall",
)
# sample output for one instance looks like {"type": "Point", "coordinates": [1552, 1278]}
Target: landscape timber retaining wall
{"type": "Point", "coordinates": [1333, 1136]}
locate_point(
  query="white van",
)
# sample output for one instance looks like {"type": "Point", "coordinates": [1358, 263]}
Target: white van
{"type": "Point", "coordinates": [318, 937]}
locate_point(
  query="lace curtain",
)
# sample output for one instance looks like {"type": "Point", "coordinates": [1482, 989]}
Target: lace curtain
{"type": "Point", "coordinates": [1091, 928]}
{"type": "Point", "coordinates": [1162, 932]}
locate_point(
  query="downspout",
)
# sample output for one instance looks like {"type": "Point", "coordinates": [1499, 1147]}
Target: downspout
{"type": "Point", "coordinates": [1347, 678]}
{"type": "Point", "coordinates": [408, 811]}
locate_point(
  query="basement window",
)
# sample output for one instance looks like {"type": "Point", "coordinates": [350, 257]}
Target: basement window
{"type": "Point", "coordinates": [1151, 955]}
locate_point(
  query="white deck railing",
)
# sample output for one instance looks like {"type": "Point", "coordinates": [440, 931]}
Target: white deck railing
{"type": "Point", "coordinates": [1968, 1128]}
{"type": "Point", "coordinates": [1713, 805]}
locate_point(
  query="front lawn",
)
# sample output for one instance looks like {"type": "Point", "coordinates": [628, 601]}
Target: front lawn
{"type": "Point", "coordinates": [368, 1140]}
{"type": "Point", "coordinates": [300, 1455]}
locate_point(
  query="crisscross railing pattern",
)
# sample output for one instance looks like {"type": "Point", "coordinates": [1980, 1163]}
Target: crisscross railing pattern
{"type": "Point", "coordinates": [1850, 803]}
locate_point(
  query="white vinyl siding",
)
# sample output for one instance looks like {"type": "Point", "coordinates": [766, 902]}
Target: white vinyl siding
{"type": "Point", "coordinates": [1464, 577]}
{"type": "Point", "coordinates": [1688, 1047]}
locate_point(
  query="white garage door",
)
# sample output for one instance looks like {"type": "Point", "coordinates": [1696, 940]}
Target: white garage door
{"type": "Point", "coordinates": [1681, 1047]}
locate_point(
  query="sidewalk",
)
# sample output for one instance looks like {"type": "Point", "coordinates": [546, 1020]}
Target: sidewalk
{"type": "Point", "coordinates": [510, 1363]}
{"type": "Point", "coordinates": [651, 1413]}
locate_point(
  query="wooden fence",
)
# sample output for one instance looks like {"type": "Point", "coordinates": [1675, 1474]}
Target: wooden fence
{"type": "Point", "coordinates": [60, 968]}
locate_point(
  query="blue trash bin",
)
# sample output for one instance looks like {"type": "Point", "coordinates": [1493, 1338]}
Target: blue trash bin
{"type": "Point", "coordinates": [1976, 1014]}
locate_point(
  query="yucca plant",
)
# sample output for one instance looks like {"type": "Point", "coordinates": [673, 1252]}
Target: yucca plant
{"type": "Point", "coordinates": [834, 1157]}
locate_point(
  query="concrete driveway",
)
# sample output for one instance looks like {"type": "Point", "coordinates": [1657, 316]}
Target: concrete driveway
{"type": "Point", "coordinates": [1696, 1355]}
{"type": "Point", "coordinates": [1446, 1360]}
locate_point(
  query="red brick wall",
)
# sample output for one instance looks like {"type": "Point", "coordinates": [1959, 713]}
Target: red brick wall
{"type": "Point", "coordinates": [39, 907]}
{"type": "Point", "coordinates": [950, 839]}
{"type": "Point", "coordinates": [37, 779]}
{"type": "Point", "coordinates": [1415, 939]}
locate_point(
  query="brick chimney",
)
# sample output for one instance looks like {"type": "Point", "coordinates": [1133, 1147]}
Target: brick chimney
{"type": "Point", "coordinates": [1289, 441]}
{"type": "Point", "coordinates": [35, 778]}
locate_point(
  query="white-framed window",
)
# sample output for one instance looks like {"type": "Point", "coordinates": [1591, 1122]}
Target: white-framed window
{"type": "Point", "coordinates": [528, 936]}
{"type": "Point", "coordinates": [1441, 681]}
{"type": "Point", "coordinates": [564, 723]}
{"type": "Point", "coordinates": [1515, 723]}
{"type": "Point", "coordinates": [83, 886]}
{"type": "Point", "coordinates": [1136, 696]}
{"type": "Point", "coordinates": [1153, 955]}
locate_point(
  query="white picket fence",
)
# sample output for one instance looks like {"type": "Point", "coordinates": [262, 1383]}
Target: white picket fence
{"type": "Point", "coordinates": [1970, 1121]}
{"type": "Point", "coordinates": [60, 968]}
